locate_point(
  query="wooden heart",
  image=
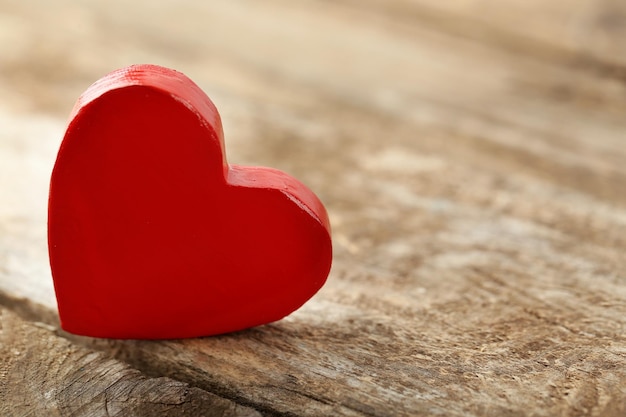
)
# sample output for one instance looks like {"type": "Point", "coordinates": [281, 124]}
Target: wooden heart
{"type": "Point", "coordinates": [152, 234]}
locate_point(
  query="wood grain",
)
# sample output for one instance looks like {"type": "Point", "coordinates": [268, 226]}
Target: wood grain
{"type": "Point", "coordinates": [43, 374]}
{"type": "Point", "coordinates": [471, 155]}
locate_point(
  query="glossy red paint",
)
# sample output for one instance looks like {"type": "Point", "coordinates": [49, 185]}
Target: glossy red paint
{"type": "Point", "coordinates": [153, 235]}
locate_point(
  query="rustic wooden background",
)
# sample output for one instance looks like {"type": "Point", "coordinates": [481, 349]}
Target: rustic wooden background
{"type": "Point", "coordinates": [471, 154]}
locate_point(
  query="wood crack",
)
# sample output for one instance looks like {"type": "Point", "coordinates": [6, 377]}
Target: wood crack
{"type": "Point", "coordinates": [86, 383]}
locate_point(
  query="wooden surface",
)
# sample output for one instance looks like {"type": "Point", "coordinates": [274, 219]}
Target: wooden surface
{"type": "Point", "coordinates": [471, 154]}
{"type": "Point", "coordinates": [64, 379]}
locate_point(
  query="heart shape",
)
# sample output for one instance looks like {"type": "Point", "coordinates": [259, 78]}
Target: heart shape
{"type": "Point", "coordinates": [153, 235]}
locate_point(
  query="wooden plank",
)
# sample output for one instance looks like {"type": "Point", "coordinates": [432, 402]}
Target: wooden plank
{"type": "Point", "coordinates": [476, 192]}
{"type": "Point", "coordinates": [43, 374]}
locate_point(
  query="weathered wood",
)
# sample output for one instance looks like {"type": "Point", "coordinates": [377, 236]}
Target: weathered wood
{"type": "Point", "coordinates": [43, 374]}
{"type": "Point", "coordinates": [471, 158]}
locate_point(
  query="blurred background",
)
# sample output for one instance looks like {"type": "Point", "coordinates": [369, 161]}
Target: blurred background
{"type": "Point", "coordinates": [471, 155]}
{"type": "Point", "coordinates": [414, 106]}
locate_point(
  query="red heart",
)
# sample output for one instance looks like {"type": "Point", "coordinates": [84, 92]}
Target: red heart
{"type": "Point", "coordinates": [153, 235]}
